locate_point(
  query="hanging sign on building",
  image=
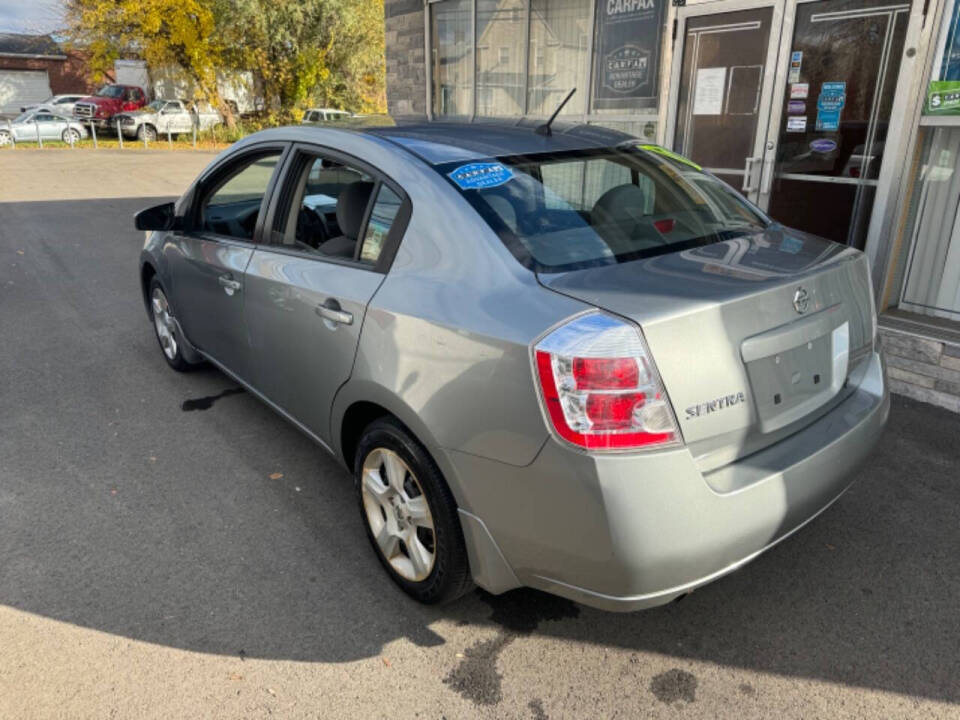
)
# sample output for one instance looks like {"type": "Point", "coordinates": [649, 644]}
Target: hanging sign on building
{"type": "Point", "coordinates": [627, 53]}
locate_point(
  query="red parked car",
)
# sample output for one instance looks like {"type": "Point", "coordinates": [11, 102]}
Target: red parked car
{"type": "Point", "coordinates": [109, 100]}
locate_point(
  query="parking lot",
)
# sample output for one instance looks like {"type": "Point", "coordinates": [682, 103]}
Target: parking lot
{"type": "Point", "coordinates": [169, 548]}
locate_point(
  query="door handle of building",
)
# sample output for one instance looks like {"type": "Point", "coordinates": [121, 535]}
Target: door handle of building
{"type": "Point", "coordinates": [229, 285]}
{"type": "Point", "coordinates": [766, 172]}
{"type": "Point", "coordinates": [331, 311]}
{"type": "Point", "coordinates": [748, 174]}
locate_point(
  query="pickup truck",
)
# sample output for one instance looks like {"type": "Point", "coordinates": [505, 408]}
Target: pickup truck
{"type": "Point", "coordinates": [166, 116]}
{"type": "Point", "coordinates": [99, 109]}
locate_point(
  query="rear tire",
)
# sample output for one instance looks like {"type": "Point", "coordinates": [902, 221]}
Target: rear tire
{"type": "Point", "coordinates": [410, 514]}
{"type": "Point", "coordinates": [5, 138]}
{"type": "Point", "coordinates": [165, 327]}
{"type": "Point", "coordinates": [70, 136]}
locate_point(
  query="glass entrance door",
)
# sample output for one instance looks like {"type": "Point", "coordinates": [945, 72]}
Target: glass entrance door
{"type": "Point", "coordinates": [789, 101]}
{"type": "Point", "coordinates": [723, 86]}
{"type": "Point", "coordinates": [833, 113]}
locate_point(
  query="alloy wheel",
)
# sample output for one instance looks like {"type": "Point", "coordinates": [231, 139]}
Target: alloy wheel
{"type": "Point", "coordinates": [5, 138]}
{"type": "Point", "coordinates": [163, 323]}
{"type": "Point", "coordinates": [398, 514]}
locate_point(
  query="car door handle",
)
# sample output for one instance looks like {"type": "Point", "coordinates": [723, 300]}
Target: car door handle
{"type": "Point", "coordinates": [229, 285]}
{"type": "Point", "coordinates": [330, 310]}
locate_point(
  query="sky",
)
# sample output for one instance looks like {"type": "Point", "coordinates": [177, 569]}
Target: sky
{"type": "Point", "coordinates": [30, 16]}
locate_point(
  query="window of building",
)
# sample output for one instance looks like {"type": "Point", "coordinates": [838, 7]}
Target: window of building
{"type": "Point", "coordinates": [931, 269]}
{"type": "Point", "coordinates": [451, 43]}
{"type": "Point", "coordinates": [512, 58]}
{"type": "Point", "coordinates": [501, 24]}
{"type": "Point", "coordinates": [559, 29]}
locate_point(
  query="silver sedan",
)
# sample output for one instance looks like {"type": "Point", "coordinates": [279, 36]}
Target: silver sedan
{"type": "Point", "coordinates": [39, 125]}
{"type": "Point", "coordinates": [553, 357]}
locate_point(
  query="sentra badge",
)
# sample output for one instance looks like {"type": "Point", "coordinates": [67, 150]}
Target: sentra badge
{"type": "Point", "coordinates": [711, 406]}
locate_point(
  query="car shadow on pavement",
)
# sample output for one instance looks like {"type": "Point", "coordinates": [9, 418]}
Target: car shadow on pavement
{"type": "Point", "coordinates": [215, 527]}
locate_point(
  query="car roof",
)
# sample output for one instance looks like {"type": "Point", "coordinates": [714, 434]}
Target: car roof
{"type": "Point", "coordinates": [441, 142]}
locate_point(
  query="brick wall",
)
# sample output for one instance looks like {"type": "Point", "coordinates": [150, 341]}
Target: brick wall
{"type": "Point", "coordinates": [922, 368]}
{"type": "Point", "coordinates": [406, 71]}
{"type": "Point", "coordinates": [70, 75]}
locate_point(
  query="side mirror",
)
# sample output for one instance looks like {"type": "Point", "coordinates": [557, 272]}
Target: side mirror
{"type": "Point", "coordinates": [159, 218]}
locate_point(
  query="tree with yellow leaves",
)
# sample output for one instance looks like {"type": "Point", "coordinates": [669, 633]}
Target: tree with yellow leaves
{"type": "Point", "coordinates": [302, 52]}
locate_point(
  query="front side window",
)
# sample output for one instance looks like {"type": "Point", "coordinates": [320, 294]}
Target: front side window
{"type": "Point", "coordinates": [561, 211]}
{"type": "Point", "coordinates": [232, 206]}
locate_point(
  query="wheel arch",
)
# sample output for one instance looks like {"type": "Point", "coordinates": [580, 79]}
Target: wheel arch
{"type": "Point", "coordinates": [147, 273]}
{"type": "Point", "coordinates": [360, 402]}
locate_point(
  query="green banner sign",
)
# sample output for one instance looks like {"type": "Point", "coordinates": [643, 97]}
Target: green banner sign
{"type": "Point", "coordinates": [943, 98]}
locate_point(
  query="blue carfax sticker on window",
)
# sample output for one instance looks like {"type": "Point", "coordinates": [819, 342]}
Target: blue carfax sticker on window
{"type": "Point", "coordinates": [477, 176]}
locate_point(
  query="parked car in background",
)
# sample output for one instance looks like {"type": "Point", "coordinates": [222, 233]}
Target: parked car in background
{"type": "Point", "coordinates": [33, 125]}
{"type": "Point", "coordinates": [59, 104]}
{"type": "Point", "coordinates": [109, 100]}
{"type": "Point", "coordinates": [570, 360]}
{"type": "Point", "coordinates": [317, 116]}
{"type": "Point", "coordinates": [166, 116]}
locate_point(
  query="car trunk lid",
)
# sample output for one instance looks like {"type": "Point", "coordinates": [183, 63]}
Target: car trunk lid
{"type": "Point", "coordinates": [754, 337]}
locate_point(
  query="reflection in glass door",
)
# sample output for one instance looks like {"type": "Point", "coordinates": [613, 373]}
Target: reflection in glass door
{"type": "Point", "coordinates": [835, 104]}
{"type": "Point", "coordinates": [720, 121]}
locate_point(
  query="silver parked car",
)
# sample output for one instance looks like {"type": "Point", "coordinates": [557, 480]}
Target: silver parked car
{"type": "Point", "coordinates": [38, 125]}
{"type": "Point", "coordinates": [567, 360]}
{"type": "Point", "coordinates": [166, 116]}
{"type": "Point", "coordinates": [57, 104]}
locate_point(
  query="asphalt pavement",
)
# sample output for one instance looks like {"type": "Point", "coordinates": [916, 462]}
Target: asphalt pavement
{"type": "Point", "coordinates": [169, 547]}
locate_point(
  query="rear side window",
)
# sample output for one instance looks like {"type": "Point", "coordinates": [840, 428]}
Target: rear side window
{"type": "Point", "coordinates": [333, 209]}
{"type": "Point", "coordinates": [562, 211]}
{"type": "Point", "coordinates": [232, 206]}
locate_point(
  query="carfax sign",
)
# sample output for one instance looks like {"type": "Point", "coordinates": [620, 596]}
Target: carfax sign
{"type": "Point", "coordinates": [628, 49]}
{"type": "Point", "coordinates": [833, 96]}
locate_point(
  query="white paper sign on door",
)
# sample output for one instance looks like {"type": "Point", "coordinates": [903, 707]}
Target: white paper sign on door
{"type": "Point", "coordinates": [708, 93]}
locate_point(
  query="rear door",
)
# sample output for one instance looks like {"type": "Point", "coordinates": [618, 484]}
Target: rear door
{"type": "Point", "coordinates": [208, 259]}
{"type": "Point", "coordinates": [334, 229]}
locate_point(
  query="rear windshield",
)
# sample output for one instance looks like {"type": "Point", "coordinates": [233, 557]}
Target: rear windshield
{"type": "Point", "coordinates": [564, 211]}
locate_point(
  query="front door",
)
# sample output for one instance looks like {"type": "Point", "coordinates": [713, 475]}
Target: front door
{"type": "Point", "coordinates": [831, 142]}
{"type": "Point", "coordinates": [723, 87]}
{"type": "Point", "coordinates": [209, 259]}
{"type": "Point", "coordinates": [790, 101]}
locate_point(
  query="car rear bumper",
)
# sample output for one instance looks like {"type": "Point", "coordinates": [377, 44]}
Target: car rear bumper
{"type": "Point", "coordinates": [629, 532]}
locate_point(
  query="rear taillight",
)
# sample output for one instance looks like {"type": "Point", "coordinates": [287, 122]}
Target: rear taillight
{"type": "Point", "coordinates": [600, 387]}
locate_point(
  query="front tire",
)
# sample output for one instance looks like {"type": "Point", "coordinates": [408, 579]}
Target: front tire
{"type": "Point", "coordinates": [148, 132]}
{"type": "Point", "coordinates": [410, 515]}
{"type": "Point", "coordinates": [70, 136]}
{"type": "Point", "coordinates": [5, 138]}
{"type": "Point", "coordinates": [166, 328]}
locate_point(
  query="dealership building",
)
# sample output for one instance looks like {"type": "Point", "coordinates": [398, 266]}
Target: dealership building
{"type": "Point", "coordinates": [838, 117]}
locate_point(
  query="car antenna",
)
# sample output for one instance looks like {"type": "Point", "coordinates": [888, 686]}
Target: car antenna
{"type": "Point", "coordinates": [545, 128]}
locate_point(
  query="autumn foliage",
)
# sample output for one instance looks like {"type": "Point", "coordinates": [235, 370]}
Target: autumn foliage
{"type": "Point", "coordinates": [301, 52]}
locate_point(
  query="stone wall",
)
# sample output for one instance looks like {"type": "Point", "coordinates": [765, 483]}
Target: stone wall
{"type": "Point", "coordinates": [922, 368]}
{"type": "Point", "coordinates": [406, 71]}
